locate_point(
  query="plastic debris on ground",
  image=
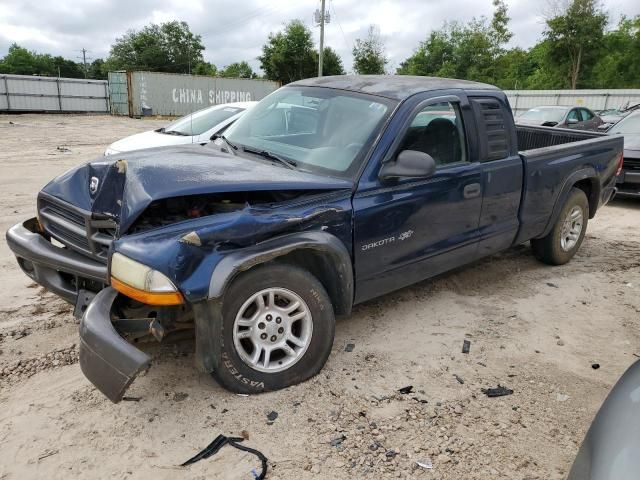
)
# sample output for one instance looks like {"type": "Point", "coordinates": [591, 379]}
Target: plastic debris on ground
{"type": "Point", "coordinates": [406, 390]}
{"type": "Point", "coordinates": [425, 463]}
{"type": "Point", "coordinates": [499, 391]}
{"type": "Point", "coordinates": [219, 442]}
{"type": "Point", "coordinates": [466, 346]}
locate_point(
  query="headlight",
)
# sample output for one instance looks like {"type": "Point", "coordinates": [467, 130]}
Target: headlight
{"type": "Point", "coordinates": [110, 151]}
{"type": "Point", "coordinates": [142, 283]}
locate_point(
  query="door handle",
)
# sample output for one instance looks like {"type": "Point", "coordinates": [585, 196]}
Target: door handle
{"type": "Point", "coordinates": [472, 190]}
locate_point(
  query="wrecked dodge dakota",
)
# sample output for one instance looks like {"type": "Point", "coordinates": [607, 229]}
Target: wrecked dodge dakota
{"type": "Point", "coordinates": [330, 192]}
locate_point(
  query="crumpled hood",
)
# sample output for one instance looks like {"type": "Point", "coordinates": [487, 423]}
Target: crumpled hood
{"type": "Point", "coordinates": [128, 183]}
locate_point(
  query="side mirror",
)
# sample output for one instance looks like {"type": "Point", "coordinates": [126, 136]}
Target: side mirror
{"type": "Point", "coordinates": [572, 121]}
{"type": "Point", "coordinates": [409, 164]}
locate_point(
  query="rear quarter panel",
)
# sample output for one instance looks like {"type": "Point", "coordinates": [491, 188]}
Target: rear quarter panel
{"type": "Point", "coordinates": [551, 172]}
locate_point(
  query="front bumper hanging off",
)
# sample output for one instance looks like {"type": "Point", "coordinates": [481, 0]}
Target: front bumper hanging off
{"type": "Point", "coordinates": [106, 359]}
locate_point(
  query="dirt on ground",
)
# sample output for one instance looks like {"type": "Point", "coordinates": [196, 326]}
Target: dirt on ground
{"type": "Point", "coordinates": [532, 328]}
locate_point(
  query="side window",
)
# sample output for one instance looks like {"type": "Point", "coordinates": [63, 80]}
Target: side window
{"type": "Point", "coordinates": [437, 130]}
{"type": "Point", "coordinates": [586, 114]}
{"type": "Point", "coordinates": [574, 115]}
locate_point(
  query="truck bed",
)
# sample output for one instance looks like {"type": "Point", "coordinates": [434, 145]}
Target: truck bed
{"type": "Point", "coordinates": [530, 138]}
{"type": "Point", "coordinates": [553, 159]}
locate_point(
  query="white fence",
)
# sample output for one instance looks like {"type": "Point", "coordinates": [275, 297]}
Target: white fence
{"type": "Point", "coordinates": [523, 100]}
{"type": "Point", "coordinates": [26, 93]}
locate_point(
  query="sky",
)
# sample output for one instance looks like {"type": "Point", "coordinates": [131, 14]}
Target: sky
{"type": "Point", "coordinates": [235, 30]}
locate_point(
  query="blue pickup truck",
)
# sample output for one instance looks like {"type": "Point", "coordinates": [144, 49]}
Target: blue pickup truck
{"type": "Point", "coordinates": [330, 192]}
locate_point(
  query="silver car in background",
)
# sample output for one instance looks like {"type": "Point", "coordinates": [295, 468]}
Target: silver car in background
{"type": "Point", "coordinates": [197, 127]}
{"type": "Point", "coordinates": [580, 118]}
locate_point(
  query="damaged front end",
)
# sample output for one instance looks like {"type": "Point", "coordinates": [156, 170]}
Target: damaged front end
{"type": "Point", "coordinates": [106, 359]}
{"type": "Point", "coordinates": [109, 330]}
{"type": "Point", "coordinates": [179, 214]}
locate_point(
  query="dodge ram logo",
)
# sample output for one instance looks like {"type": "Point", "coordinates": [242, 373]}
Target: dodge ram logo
{"type": "Point", "coordinates": [93, 185]}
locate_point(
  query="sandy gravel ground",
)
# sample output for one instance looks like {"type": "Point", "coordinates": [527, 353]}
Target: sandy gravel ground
{"type": "Point", "coordinates": [533, 328]}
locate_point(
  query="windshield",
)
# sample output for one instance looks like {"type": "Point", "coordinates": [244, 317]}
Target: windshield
{"type": "Point", "coordinates": [545, 114]}
{"type": "Point", "coordinates": [317, 129]}
{"type": "Point", "coordinates": [199, 122]}
{"type": "Point", "coordinates": [628, 125]}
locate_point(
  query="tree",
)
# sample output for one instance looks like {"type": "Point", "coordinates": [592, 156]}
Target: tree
{"type": "Point", "coordinates": [619, 66]}
{"type": "Point", "coordinates": [205, 68]}
{"type": "Point", "coordinates": [21, 61]}
{"type": "Point", "coordinates": [96, 70]}
{"type": "Point", "coordinates": [169, 47]}
{"type": "Point", "coordinates": [332, 63]}
{"type": "Point", "coordinates": [368, 54]}
{"type": "Point", "coordinates": [575, 38]}
{"type": "Point", "coordinates": [289, 56]}
{"type": "Point", "coordinates": [470, 51]}
{"type": "Point", "coordinates": [238, 70]}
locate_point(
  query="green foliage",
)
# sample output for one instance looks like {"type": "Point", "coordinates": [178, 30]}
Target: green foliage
{"type": "Point", "coordinates": [368, 54]}
{"type": "Point", "coordinates": [619, 67]}
{"type": "Point", "coordinates": [238, 70]}
{"type": "Point", "coordinates": [467, 51]}
{"type": "Point", "coordinates": [575, 52]}
{"type": "Point", "coordinates": [205, 68]}
{"type": "Point", "coordinates": [169, 47]}
{"type": "Point", "coordinates": [20, 61]}
{"type": "Point", "coordinates": [289, 56]}
{"type": "Point", "coordinates": [331, 63]}
{"type": "Point", "coordinates": [575, 39]}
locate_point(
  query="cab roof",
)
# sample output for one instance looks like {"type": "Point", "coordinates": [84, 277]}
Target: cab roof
{"type": "Point", "coordinates": [397, 87]}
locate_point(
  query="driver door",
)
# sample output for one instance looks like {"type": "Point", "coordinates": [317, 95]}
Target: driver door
{"type": "Point", "coordinates": [410, 229]}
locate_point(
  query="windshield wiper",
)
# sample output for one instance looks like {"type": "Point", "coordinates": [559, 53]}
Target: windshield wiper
{"type": "Point", "coordinates": [225, 140]}
{"type": "Point", "coordinates": [272, 156]}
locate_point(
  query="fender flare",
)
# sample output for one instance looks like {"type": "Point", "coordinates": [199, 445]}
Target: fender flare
{"type": "Point", "coordinates": [587, 173]}
{"type": "Point", "coordinates": [323, 242]}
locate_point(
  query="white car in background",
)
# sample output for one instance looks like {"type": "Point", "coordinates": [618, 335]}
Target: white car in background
{"type": "Point", "coordinates": [197, 127]}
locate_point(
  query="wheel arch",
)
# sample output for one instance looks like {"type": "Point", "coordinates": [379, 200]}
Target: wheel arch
{"type": "Point", "coordinates": [320, 253]}
{"type": "Point", "coordinates": [584, 179]}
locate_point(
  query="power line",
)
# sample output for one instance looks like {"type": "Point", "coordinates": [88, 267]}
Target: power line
{"type": "Point", "coordinates": [232, 25]}
{"type": "Point", "coordinates": [335, 15]}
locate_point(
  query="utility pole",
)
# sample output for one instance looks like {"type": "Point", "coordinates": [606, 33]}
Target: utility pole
{"type": "Point", "coordinates": [321, 17]}
{"type": "Point", "coordinates": [84, 61]}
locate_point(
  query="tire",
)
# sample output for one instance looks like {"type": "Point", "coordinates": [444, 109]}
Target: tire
{"type": "Point", "coordinates": [565, 238]}
{"type": "Point", "coordinates": [289, 284]}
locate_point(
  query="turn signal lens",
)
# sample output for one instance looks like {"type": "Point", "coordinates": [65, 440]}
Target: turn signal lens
{"type": "Point", "coordinates": [149, 298]}
{"type": "Point", "coordinates": [142, 283]}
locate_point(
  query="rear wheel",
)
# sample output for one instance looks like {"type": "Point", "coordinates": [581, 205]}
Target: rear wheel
{"type": "Point", "coordinates": [566, 236]}
{"type": "Point", "coordinates": [278, 329]}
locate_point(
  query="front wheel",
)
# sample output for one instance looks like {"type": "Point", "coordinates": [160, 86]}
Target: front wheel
{"type": "Point", "coordinates": [277, 329]}
{"type": "Point", "coordinates": [566, 236]}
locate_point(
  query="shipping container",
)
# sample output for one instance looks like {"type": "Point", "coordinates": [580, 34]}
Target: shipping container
{"type": "Point", "coordinates": [152, 93]}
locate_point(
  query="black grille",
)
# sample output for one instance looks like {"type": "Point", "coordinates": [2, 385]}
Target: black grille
{"type": "Point", "coordinates": [632, 163]}
{"type": "Point", "coordinates": [76, 228]}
